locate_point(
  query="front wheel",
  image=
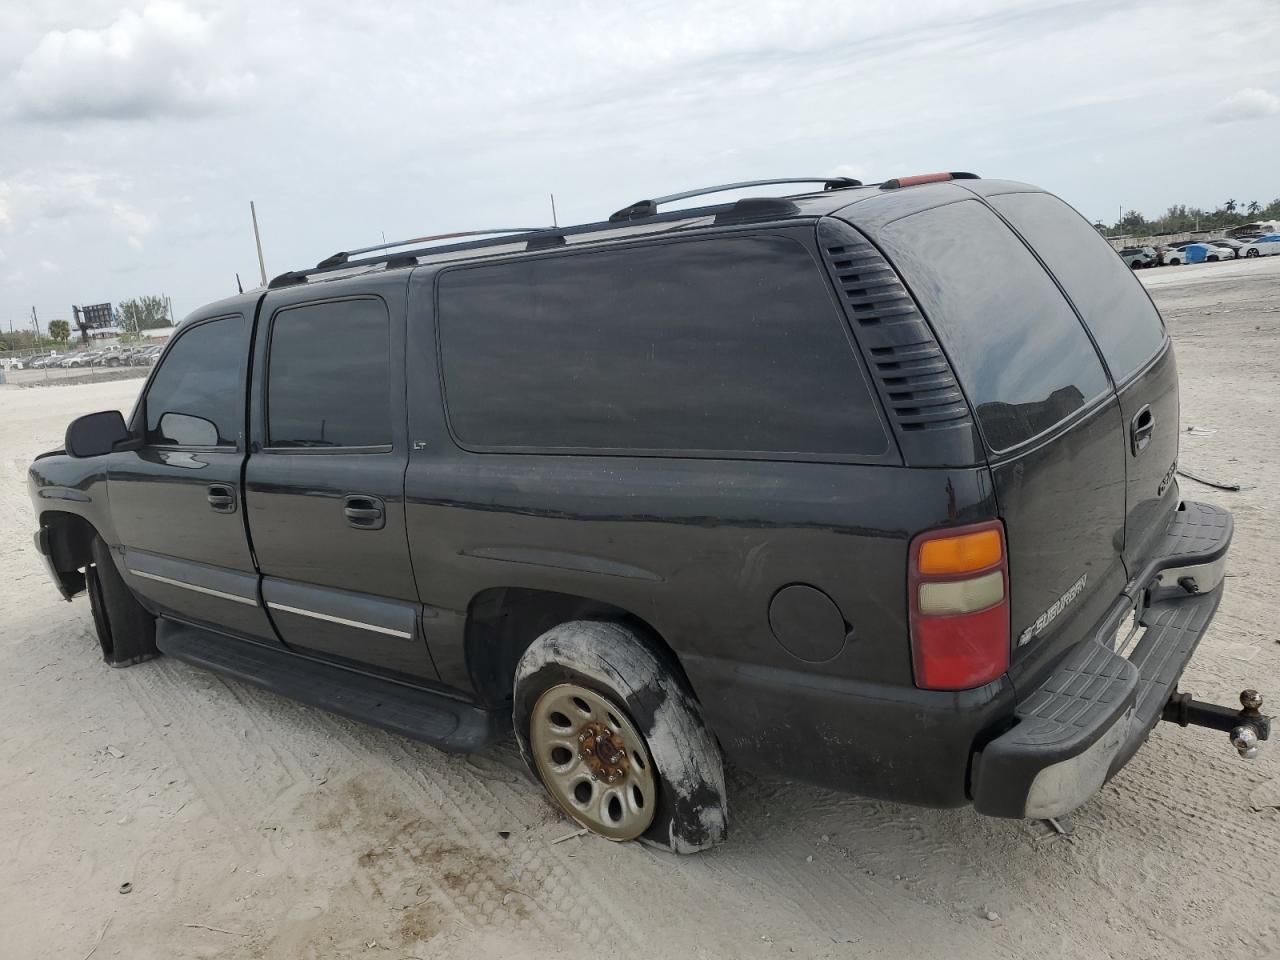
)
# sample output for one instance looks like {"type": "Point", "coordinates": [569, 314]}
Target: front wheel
{"type": "Point", "coordinates": [1251, 253]}
{"type": "Point", "coordinates": [616, 737]}
{"type": "Point", "coordinates": [126, 632]}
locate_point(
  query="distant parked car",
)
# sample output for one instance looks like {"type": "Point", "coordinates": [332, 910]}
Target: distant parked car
{"type": "Point", "coordinates": [1228, 244]}
{"type": "Point", "coordinates": [1173, 256]}
{"type": "Point", "coordinates": [1262, 247]}
{"type": "Point", "coordinates": [79, 359]}
{"type": "Point", "coordinates": [1137, 257]}
{"type": "Point", "coordinates": [1204, 252]}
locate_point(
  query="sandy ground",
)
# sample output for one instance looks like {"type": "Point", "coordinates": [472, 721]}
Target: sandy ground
{"type": "Point", "coordinates": [252, 827]}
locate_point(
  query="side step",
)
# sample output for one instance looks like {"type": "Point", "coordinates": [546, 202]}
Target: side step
{"type": "Point", "coordinates": [410, 711]}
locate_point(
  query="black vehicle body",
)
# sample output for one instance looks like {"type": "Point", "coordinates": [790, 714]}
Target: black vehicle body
{"type": "Point", "coordinates": [779, 580]}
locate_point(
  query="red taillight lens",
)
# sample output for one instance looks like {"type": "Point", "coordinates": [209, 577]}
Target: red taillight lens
{"type": "Point", "coordinates": [959, 600]}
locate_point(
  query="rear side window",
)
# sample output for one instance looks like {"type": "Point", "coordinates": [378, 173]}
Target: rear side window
{"type": "Point", "coordinates": [729, 345]}
{"type": "Point", "coordinates": [194, 397]}
{"type": "Point", "coordinates": [328, 376]}
{"type": "Point", "coordinates": [1023, 358]}
{"type": "Point", "coordinates": [1115, 307]}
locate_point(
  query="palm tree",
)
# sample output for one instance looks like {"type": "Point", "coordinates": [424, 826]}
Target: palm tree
{"type": "Point", "coordinates": [1254, 207]}
{"type": "Point", "coordinates": [1229, 206]}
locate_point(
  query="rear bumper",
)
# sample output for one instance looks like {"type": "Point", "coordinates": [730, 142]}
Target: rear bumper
{"type": "Point", "coordinates": [1089, 717]}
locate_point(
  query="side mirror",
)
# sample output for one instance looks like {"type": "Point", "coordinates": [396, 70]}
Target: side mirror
{"type": "Point", "coordinates": [95, 434]}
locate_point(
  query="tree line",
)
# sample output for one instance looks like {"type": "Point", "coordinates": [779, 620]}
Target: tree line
{"type": "Point", "coordinates": [141, 313]}
{"type": "Point", "coordinates": [1181, 218]}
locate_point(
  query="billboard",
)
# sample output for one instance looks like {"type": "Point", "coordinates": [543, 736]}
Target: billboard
{"type": "Point", "coordinates": [97, 315]}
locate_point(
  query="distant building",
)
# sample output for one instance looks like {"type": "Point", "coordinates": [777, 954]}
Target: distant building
{"type": "Point", "coordinates": [1256, 229]}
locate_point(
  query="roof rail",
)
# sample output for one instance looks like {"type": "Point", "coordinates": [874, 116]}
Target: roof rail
{"type": "Point", "coordinates": [897, 182]}
{"type": "Point", "coordinates": [648, 208]}
{"type": "Point", "coordinates": [344, 256]}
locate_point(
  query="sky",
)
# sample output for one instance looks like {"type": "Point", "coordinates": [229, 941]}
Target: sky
{"type": "Point", "coordinates": [134, 135]}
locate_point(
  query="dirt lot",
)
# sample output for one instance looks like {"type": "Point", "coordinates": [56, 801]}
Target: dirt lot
{"type": "Point", "coordinates": [252, 827]}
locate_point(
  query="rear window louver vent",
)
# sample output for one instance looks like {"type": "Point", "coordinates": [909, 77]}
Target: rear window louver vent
{"type": "Point", "coordinates": [912, 374]}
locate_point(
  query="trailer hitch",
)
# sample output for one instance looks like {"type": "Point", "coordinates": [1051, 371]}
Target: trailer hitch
{"type": "Point", "coordinates": [1247, 726]}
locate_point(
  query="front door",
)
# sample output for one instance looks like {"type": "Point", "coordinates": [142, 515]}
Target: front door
{"type": "Point", "coordinates": [324, 485]}
{"type": "Point", "coordinates": [176, 501]}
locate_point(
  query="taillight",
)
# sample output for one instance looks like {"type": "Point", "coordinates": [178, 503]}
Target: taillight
{"type": "Point", "coordinates": [959, 585]}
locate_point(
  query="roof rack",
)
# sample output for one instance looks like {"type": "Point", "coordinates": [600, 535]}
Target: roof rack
{"type": "Point", "coordinates": [344, 256]}
{"type": "Point", "coordinates": [648, 208]}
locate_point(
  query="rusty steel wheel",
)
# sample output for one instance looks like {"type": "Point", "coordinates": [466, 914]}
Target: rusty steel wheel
{"type": "Point", "coordinates": [593, 761]}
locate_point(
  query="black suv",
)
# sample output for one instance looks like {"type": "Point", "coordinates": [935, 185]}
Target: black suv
{"type": "Point", "coordinates": [872, 486]}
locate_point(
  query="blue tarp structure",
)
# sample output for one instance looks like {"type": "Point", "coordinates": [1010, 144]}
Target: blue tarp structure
{"type": "Point", "coordinates": [1198, 251]}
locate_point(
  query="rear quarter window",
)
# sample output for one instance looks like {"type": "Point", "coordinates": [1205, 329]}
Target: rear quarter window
{"type": "Point", "coordinates": [1108, 296]}
{"type": "Point", "coordinates": [725, 346]}
{"type": "Point", "coordinates": [1023, 359]}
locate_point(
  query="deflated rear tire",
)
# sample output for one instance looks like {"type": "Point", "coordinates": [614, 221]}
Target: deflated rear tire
{"type": "Point", "coordinates": [610, 728]}
{"type": "Point", "coordinates": [126, 632]}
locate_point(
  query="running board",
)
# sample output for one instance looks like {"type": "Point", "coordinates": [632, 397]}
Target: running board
{"type": "Point", "coordinates": [409, 711]}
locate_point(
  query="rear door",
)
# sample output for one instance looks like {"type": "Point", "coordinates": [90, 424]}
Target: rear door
{"type": "Point", "coordinates": [324, 484]}
{"type": "Point", "coordinates": [1130, 335]}
{"type": "Point", "coordinates": [1045, 407]}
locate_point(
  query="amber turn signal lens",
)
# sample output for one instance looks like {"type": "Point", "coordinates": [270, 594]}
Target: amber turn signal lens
{"type": "Point", "coordinates": [962, 554]}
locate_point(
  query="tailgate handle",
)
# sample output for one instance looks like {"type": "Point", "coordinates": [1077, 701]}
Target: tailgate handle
{"type": "Point", "coordinates": [1141, 427]}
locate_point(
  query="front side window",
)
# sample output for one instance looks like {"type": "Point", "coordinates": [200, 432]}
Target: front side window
{"type": "Point", "coordinates": [194, 397]}
{"type": "Point", "coordinates": [717, 346]}
{"type": "Point", "coordinates": [1022, 356]}
{"type": "Point", "coordinates": [329, 376]}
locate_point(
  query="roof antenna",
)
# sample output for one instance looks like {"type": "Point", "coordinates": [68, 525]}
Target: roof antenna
{"type": "Point", "coordinates": [239, 285]}
{"type": "Point", "coordinates": [554, 221]}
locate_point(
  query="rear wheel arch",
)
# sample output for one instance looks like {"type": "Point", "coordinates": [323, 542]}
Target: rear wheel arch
{"type": "Point", "coordinates": [502, 622]}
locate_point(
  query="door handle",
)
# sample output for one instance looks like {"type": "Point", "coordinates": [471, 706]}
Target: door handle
{"type": "Point", "coordinates": [1141, 428]}
{"type": "Point", "coordinates": [222, 497]}
{"type": "Point", "coordinates": [364, 512]}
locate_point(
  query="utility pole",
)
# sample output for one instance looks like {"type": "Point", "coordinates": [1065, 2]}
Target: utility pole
{"type": "Point", "coordinates": [257, 238]}
{"type": "Point", "coordinates": [35, 325]}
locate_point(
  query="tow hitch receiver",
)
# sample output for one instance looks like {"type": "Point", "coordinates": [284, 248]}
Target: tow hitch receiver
{"type": "Point", "coordinates": [1247, 726]}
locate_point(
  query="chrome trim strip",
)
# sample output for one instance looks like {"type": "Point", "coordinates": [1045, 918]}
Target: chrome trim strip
{"type": "Point", "coordinates": [209, 591]}
{"type": "Point", "coordinates": [359, 625]}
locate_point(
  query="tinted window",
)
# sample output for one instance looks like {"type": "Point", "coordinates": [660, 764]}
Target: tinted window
{"type": "Point", "coordinates": [1116, 308]}
{"type": "Point", "coordinates": [194, 399]}
{"type": "Point", "coordinates": [725, 345]}
{"type": "Point", "coordinates": [328, 376]}
{"type": "Point", "coordinates": [1023, 358]}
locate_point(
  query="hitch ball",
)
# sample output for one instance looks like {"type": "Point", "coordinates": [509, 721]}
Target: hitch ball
{"type": "Point", "coordinates": [1245, 739]}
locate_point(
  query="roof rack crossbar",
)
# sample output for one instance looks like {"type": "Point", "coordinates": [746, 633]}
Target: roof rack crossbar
{"type": "Point", "coordinates": [344, 256]}
{"type": "Point", "coordinates": [647, 208]}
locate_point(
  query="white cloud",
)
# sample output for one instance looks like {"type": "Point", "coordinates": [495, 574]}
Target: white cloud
{"type": "Point", "coordinates": [166, 60]}
{"type": "Point", "coordinates": [140, 124]}
{"type": "Point", "coordinates": [1250, 103]}
{"type": "Point", "coordinates": [49, 196]}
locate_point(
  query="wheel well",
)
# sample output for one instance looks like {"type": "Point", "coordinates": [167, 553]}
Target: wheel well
{"type": "Point", "coordinates": [70, 546]}
{"type": "Point", "coordinates": [503, 621]}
